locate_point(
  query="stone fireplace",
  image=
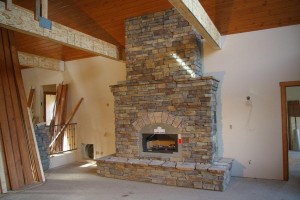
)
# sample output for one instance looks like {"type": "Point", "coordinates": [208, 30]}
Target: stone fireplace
{"type": "Point", "coordinates": [165, 113]}
{"type": "Point", "coordinates": [161, 141]}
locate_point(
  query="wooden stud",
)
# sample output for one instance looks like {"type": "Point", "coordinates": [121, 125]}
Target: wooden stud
{"type": "Point", "coordinates": [44, 12]}
{"type": "Point", "coordinates": [36, 147]}
{"type": "Point", "coordinates": [30, 97]}
{"type": "Point", "coordinates": [2, 167]}
{"type": "Point", "coordinates": [37, 11]}
{"type": "Point", "coordinates": [8, 5]}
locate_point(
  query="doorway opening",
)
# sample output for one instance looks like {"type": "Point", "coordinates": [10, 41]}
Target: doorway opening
{"type": "Point", "coordinates": [49, 102]}
{"type": "Point", "coordinates": [290, 112]}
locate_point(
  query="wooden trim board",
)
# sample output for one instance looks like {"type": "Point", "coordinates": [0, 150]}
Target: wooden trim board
{"type": "Point", "coordinates": [285, 150]}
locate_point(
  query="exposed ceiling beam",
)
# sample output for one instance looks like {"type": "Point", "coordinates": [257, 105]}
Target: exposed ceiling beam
{"type": "Point", "coordinates": [195, 14]}
{"type": "Point", "coordinates": [31, 60]}
{"type": "Point", "coordinates": [22, 20]}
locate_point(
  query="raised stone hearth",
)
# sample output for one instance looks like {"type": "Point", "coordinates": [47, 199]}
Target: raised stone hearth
{"type": "Point", "coordinates": [193, 175]}
{"type": "Point", "coordinates": [165, 112]}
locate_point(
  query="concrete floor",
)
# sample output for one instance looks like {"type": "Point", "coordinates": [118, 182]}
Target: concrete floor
{"type": "Point", "coordinates": [73, 182]}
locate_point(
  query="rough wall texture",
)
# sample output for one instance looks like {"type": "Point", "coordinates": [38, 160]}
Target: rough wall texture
{"type": "Point", "coordinates": [193, 100]}
{"type": "Point", "coordinates": [160, 46]}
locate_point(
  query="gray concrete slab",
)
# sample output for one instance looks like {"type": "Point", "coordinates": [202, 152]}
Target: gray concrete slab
{"type": "Point", "coordinates": [73, 182]}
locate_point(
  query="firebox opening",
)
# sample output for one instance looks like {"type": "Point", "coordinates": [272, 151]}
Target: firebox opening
{"type": "Point", "coordinates": [160, 143]}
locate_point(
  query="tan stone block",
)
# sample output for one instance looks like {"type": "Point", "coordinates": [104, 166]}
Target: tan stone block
{"type": "Point", "coordinates": [185, 166]}
{"type": "Point", "coordinates": [156, 163]}
{"type": "Point", "coordinates": [164, 117]}
{"type": "Point", "coordinates": [170, 119]}
{"type": "Point", "coordinates": [177, 121]}
{"type": "Point", "coordinates": [169, 164]}
{"type": "Point", "coordinates": [208, 186]}
{"type": "Point", "coordinates": [151, 118]}
{"type": "Point", "coordinates": [136, 126]}
{"type": "Point", "coordinates": [171, 181]}
{"type": "Point", "coordinates": [146, 119]}
{"type": "Point", "coordinates": [157, 117]}
{"type": "Point", "coordinates": [202, 166]}
{"type": "Point", "coordinates": [198, 185]}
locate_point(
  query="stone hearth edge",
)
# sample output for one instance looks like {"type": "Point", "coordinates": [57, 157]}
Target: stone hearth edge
{"type": "Point", "coordinates": [214, 176]}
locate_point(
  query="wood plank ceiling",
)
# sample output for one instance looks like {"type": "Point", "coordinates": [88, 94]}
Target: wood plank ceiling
{"type": "Point", "coordinates": [104, 19]}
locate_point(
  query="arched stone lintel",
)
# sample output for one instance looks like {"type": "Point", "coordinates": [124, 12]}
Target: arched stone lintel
{"type": "Point", "coordinates": [158, 117]}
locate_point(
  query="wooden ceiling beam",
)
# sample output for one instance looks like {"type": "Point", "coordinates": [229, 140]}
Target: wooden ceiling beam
{"type": "Point", "coordinates": [195, 14]}
{"type": "Point", "coordinates": [22, 20]}
{"type": "Point", "coordinates": [31, 60]}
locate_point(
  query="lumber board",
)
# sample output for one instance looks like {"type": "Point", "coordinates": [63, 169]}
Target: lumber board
{"type": "Point", "coordinates": [67, 122]}
{"type": "Point", "coordinates": [44, 8]}
{"type": "Point", "coordinates": [8, 95]}
{"type": "Point", "coordinates": [20, 133]}
{"type": "Point", "coordinates": [5, 128]}
{"type": "Point", "coordinates": [8, 5]}
{"type": "Point", "coordinates": [23, 102]}
{"type": "Point", "coordinates": [2, 167]}
{"type": "Point", "coordinates": [36, 147]}
{"type": "Point", "coordinates": [37, 11]}
{"type": "Point", "coordinates": [30, 97]}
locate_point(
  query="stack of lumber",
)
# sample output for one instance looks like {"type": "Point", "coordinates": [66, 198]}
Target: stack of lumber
{"type": "Point", "coordinates": [59, 123]}
{"type": "Point", "coordinates": [19, 160]}
{"type": "Point", "coordinates": [59, 117]}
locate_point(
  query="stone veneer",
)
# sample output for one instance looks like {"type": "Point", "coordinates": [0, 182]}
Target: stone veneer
{"type": "Point", "coordinates": [165, 88]}
{"type": "Point", "coordinates": [192, 175]}
{"type": "Point", "coordinates": [188, 105]}
{"type": "Point", "coordinates": [42, 138]}
{"type": "Point", "coordinates": [151, 42]}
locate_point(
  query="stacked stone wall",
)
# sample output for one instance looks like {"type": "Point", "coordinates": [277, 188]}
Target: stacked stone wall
{"type": "Point", "coordinates": [192, 100]}
{"type": "Point", "coordinates": [193, 175]}
{"type": "Point", "coordinates": [162, 46]}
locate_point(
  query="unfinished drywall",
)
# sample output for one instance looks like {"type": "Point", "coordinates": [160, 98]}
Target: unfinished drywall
{"type": "Point", "coordinates": [90, 78]}
{"type": "Point", "coordinates": [252, 64]}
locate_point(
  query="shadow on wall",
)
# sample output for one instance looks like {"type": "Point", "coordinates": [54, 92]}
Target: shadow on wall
{"type": "Point", "coordinates": [220, 77]}
{"type": "Point", "coordinates": [238, 168]}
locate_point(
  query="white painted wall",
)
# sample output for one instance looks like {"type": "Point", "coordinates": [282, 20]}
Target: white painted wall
{"type": "Point", "coordinates": [90, 78]}
{"type": "Point", "coordinates": [66, 158]}
{"type": "Point", "coordinates": [252, 64]}
{"type": "Point", "coordinates": [35, 78]}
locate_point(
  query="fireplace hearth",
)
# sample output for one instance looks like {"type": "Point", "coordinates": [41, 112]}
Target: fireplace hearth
{"type": "Point", "coordinates": [165, 112]}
